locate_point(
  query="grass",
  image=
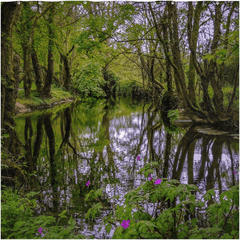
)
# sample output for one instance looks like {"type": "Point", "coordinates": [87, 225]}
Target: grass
{"type": "Point", "coordinates": [35, 99]}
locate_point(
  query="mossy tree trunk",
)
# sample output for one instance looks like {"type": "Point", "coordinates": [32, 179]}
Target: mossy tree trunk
{"type": "Point", "coordinates": [9, 15]}
{"type": "Point", "coordinates": [26, 69]}
{"type": "Point", "coordinates": [16, 72]}
{"type": "Point", "coordinates": [37, 70]}
{"type": "Point", "coordinates": [213, 115]}
{"type": "Point", "coordinates": [168, 66]}
{"type": "Point", "coordinates": [50, 71]}
{"type": "Point", "coordinates": [66, 70]}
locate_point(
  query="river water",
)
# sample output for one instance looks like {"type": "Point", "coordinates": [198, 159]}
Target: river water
{"type": "Point", "coordinates": [72, 144]}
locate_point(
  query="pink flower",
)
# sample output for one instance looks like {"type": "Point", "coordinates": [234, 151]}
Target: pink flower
{"type": "Point", "coordinates": [87, 184]}
{"type": "Point", "coordinates": [138, 158]}
{"type": "Point", "coordinates": [150, 177]}
{"type": "Point", "coordinates": [40, 230]}
{"type": "Point", "coordinates": [158, 181]}
{"type": "Point", "coordinates": [125, 224]}
{"type": "Point", "coordinates": [234, 172]}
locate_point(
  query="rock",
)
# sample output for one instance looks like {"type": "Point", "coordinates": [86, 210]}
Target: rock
{"type": "Point", "coordinates": [19, 108]}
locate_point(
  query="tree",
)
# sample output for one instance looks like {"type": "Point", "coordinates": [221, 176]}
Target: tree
{"type": "Point", "coordinates": [9, 15]}
{"type": "Point", "coordinates": [213, 111]}
{"type": "Point", "coordinates": [50, 71]}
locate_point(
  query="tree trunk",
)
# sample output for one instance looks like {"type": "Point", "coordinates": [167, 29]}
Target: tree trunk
{"type": "Point", "coordinates": [193, 38]}
{"type": "Point", "coordinates": [66, 72]}
{"type": "Point", "coordinates": [168, 66]}
{"type": "Point", "coordinates": [37, 70]}
{"type": "Point", "coordinates": [50, 71]}
{"type": "Point", "coordinates": [16, 70]}
{"type": "Point", "coordinates": [9, 15]}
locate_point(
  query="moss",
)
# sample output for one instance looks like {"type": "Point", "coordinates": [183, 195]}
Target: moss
{"type": "Point", "coordinates": [35, 99]}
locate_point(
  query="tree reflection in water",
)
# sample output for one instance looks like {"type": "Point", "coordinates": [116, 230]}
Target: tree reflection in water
{"type": "Point", "coordinates": [77, 143]}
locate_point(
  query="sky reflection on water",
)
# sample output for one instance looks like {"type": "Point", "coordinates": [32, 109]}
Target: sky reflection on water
{"type": "Point", "coordinates": [102, 145]}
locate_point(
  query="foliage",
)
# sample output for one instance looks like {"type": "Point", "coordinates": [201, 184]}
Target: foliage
{"type": "Point", "coordinates": [174, 213]}
{"type": "Point", "coordinates": [173, 115]}
{"type": "Point", "coordinates": [130, 89]}
{"type": "Point", "coordinates": [35, 99]}
{"type": "Point", "coordinates": [18, 220]}
{"type": "Point", "coordinates": [110, 83]}
{"type": "Point", "coordinates": [87, 80]}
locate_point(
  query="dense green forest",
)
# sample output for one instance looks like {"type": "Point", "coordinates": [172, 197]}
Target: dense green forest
{"type": "Point", "coordinates": [178, 55]}
{"type": "Point", "coordinates": [188, 53]}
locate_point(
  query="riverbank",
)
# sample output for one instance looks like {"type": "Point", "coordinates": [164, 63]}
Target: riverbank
{"type": "Point", "coordinates": [59, 96]}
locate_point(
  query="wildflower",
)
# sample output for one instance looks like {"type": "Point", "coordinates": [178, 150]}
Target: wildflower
{"type": "Point", "coordinates": [125, 224]}
{"type": "Point", "coordinates": [40, 230]}
{"type": "Point", "coordinates": [150, 177]}
{"type": "Point", "coordinates": [138, 158]}
{"type": "Point", "coordinates": [234, 172]}
{"type": "Point", "coordinates": [158, 181]}
{"type": "Point", "coordinates": [87, 184]}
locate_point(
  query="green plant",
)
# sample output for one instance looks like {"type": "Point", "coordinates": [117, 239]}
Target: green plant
{"type": "Point", "coordinates": [174, 213]}
{"type": "Point", "coordinates": [18, 220]}
{"type": "Point", "coordinates": [173, 115]}
{"type": "Point", "coordinates": [87, 80]}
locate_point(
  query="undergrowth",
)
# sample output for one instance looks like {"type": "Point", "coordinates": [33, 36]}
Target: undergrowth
{"type": "Point", "coordinates": [18, 220]}
{"type": "Point", "coordinates": [177, 214]}
{"type": "Point", "coordinates": [36, 99]}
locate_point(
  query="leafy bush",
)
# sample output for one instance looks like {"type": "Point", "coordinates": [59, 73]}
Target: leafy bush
{"type": "Point", "coordinates": [18, 220]}
{"type": "Point", "coordinates": [175, 211]}
{"type": "Point", "coordinates": [87, 80]}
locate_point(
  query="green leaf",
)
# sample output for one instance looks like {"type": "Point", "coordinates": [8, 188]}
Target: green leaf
{"type": "Point", "coordinates": [208, 56]}
{"type": "Point", "coordinates": [108, 228]}
{"type": "Point", "coordinates": [133, 232]}
{"type": "Point", "coordinates": [118, 232]}
{"type": "Point", "coordinates": [72, 221]}
{"type": "Point", "coordinates": [18, 225]}
{"type": "Point", "coordinates": [63, 212]}
{"type": "Point", "coordinates": [196, 236]}
{"type": "Point", "coordinates": [64, 232]}
{"type": "Point", "coordinates": [221, 52]}
{"type": "Point", "coordinates": [194, 222]}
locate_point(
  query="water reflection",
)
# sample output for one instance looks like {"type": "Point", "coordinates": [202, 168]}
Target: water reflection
{"type": "Point", "coordinates": [77, 143]}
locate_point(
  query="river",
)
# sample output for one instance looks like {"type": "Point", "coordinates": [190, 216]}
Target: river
{"type": "Point", "coordinates": [74, 143]}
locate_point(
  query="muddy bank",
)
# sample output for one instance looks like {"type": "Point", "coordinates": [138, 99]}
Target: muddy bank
{"type": "Point", "coordinates": [20, 108]}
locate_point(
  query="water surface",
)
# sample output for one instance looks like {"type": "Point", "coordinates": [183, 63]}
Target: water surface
{"type": "Point", "coordinates": [74, 143]}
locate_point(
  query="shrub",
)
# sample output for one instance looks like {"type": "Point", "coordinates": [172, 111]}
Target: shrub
{"type": "Point", "coordinates": [87, 80]}
{"type": "Point", "coordinates": [18, 220]}
{"type": "Point", "coordinates": [175, 212]}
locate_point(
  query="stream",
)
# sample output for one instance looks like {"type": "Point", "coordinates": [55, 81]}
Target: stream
{"type": "Point", "coordinates": [69, 145]}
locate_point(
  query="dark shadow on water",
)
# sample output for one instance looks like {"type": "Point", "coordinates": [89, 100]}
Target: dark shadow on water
{"type": "Point", "coordinates": [100, 143]}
